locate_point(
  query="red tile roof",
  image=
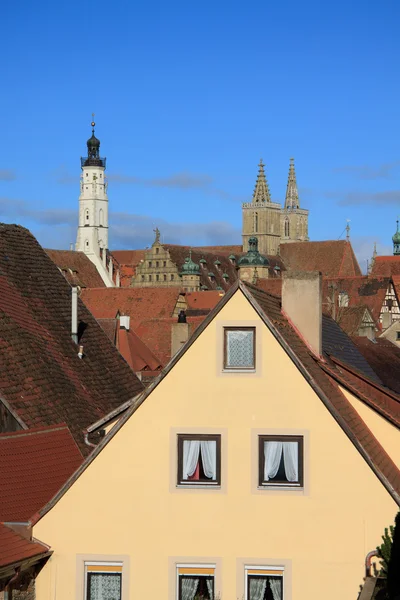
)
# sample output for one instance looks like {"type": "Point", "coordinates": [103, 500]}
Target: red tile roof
{"type": "Point", "coordinates": [331, 258]}
{"type": "Point", "coordinates": [138, 303]}
{"type": "Point", "coordinates": [156, 334]}
{"type": "Point", "coordinates": [384, 266]}
{"type": "Point", "coordinates": [202, 301]}
{"type": "Point", "coordinates": [138, 356]}
{"type": "Point", "coordinates": [34, 465]}
{"type": "Point", "coordinates": [76, 268]}
{"type": "Point", "coordinates": [362, 291]}
{"type": "Point", "coordinates": [41, 377]}
{"type": "Point", "coordinates": [14, 548]}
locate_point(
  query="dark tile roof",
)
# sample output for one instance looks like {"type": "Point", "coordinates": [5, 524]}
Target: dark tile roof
{"type": "Point", "coordinates": [385, 266]}
{"type": "Point", "coordinates": [76, 268]}
{"type": "Point", "coordinates": [179, 253]}
{"type": "Point", "coordinates": [109, 326]}
{"type": "Point", "coordinates": [384, 358]}
{"type": "Point", "coordinates": [335, 342]}
{"type": "Point", "coordinates": [331, 258]}
{"type": "Point", "coordinates": [41, 377]}
{"type": "Point", "coordinates": [34, 465]}
{"type": "Point", "coordinates": [14, 548]}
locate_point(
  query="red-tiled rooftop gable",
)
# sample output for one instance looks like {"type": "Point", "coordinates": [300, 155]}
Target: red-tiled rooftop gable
{"type": "Point", "coordinates": [76, 268]}
{"type": "Point", "coordinates": [138, 303]}
{"type": "Point", "coordinates": [41, 377]}
{"type": "Point", "coordinates": [14, 548]}
{"type": "Point", "coordinates": [384, 266]}
{"type": "Point", "coordinates": [331, 258]}
{"type": "Point", "coordinates": [138, 356]}
{"type": "Point", "coordinates": [34, 465]}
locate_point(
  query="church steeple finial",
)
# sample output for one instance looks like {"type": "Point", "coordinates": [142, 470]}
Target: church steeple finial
{"type": "Point", "coordinates": [292, 195]}
{"type": "Point", "coordinates": [261, 190]}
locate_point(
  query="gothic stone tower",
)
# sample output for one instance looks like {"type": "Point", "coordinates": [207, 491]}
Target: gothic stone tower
{"type": "Point", "coordinates": [294, 220]}
{"type": "Point", "coordinates": [261, 218]}
{"type": "Point", "coordinates": [93, 201]}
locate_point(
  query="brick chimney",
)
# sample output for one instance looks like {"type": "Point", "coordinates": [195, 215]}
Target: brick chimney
{"type": "Point", "coordinates": [302, 304]}
{"type": "Point", "coordinates": [179, 333]}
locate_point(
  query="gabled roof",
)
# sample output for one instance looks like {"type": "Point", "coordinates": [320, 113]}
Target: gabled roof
{"type": "Point", "coordinates": [76, 268]}
{"type": "Point", "coordinates": [34, 464]}
{"type": "Point", "coordinates": [42, 379]}
{"type": "Point", "coordinates": [311, 367]}
{"type": "Point", "coordinates": [138, 356]}
{"type": "Point", "coordinates": [384, 358]}
{"type": "Point", "coordinates": [385, 266]}
{"type": "Point", "coordinates": [331, 258]}
{"type": "Point", "coordinates": [138, 303]}
{"type": "Point", "coordinates": [352, 318]}
{"type": "Point", "coordinates": [14, 548]}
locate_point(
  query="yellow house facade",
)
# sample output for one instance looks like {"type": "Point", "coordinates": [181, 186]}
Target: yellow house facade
{"type": "Point", "coordinates": [231, 478]}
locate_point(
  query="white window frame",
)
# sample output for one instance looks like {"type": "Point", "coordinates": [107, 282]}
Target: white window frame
{"type": "Point", "coordinates": [193, 566]}
{"type": "Point", "coordinates": [274, 568]}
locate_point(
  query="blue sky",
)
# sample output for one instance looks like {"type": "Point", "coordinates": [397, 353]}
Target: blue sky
{"type": "Point", "coordinates": [188, 97]}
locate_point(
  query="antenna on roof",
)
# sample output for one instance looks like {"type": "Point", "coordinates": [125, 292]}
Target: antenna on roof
{"type": "Point", "coordinates": [348, 230]}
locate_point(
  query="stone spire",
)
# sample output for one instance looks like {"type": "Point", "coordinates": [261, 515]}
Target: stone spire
{"type": "Point", "coordinates": [396, 240]}
{"type": "Point", "coordinates": [261, 190]}
{"type": "Point", "coordinates": [292, 194]}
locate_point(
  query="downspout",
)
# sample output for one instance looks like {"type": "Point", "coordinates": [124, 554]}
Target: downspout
{"type": "Point", "coordinates": [8, 588]}
{"type": "Point", "coordinates": [368, 562]}
{"type": "Point", "coordinates": [86, 438]}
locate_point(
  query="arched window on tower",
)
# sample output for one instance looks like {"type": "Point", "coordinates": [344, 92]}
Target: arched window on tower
{"type": "Point", "coordinates": [287, 229]}
{"type": "Point", "coordinates": [255, 224]}
{"type": "Point", "coordinates": [101, 218]}
{"type": "Point", "coordinates": [87, 215]}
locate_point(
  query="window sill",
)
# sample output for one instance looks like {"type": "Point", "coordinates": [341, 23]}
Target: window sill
{"type": "Point", "coordinates": [241, 371]}
{"type": "Point", "coordinates": [198, 486]}
{"type": "Point", "coordinates": [281, 488]}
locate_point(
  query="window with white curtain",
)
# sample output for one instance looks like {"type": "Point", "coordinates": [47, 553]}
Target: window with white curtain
{"type": "Point", "coordinates": [239, 348]}
{"type": "Point", "coordinates": [264, 583]}
{"type": "Point", "coordinates": [103, 581]}
{"type": "Point", "coordinates": [280, 460]}
{"type": "Point", "coordinates": [195, 582]}
{"type": "Point", "coordinates": [199, 459]}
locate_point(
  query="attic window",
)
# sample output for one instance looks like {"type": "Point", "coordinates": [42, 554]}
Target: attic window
{"type": "Point", "coordinates": [239, 349]}
{"type": "Point", "coordinates": [280, 461]}
{"type": "Point", "coordinates": [199, 460]}
{"type": "Point", "coordinates": [343, 299]}
{"type": "Point", "coordinates": [157, 250]}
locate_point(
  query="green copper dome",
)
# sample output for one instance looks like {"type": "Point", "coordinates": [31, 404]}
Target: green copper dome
{"type": "Point", "coordinates": [189, 267]}
{"type": "Point", "coordinates": [253, 257]}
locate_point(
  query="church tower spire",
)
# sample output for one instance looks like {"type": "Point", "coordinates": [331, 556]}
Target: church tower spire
{"type": "Point", "coordinates": [261, 189]}
{"type": "Point", "coordinates": [261, 217]}
{"type": "Point", "coordinates": [396, 240]}
{"type": "Point", "coordinates": [92, 237]}
{"type": "Point", "coordinates": [294, 220]}
{"type": "Point", "coordinates": [292, 194]}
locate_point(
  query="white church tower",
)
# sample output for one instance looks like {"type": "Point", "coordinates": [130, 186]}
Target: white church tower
{"type": "Point", "coordinates": [92, 238]}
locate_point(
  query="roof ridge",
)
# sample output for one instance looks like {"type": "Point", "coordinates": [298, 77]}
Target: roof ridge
{"type": "Point", "coordinates": [33, 431]}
